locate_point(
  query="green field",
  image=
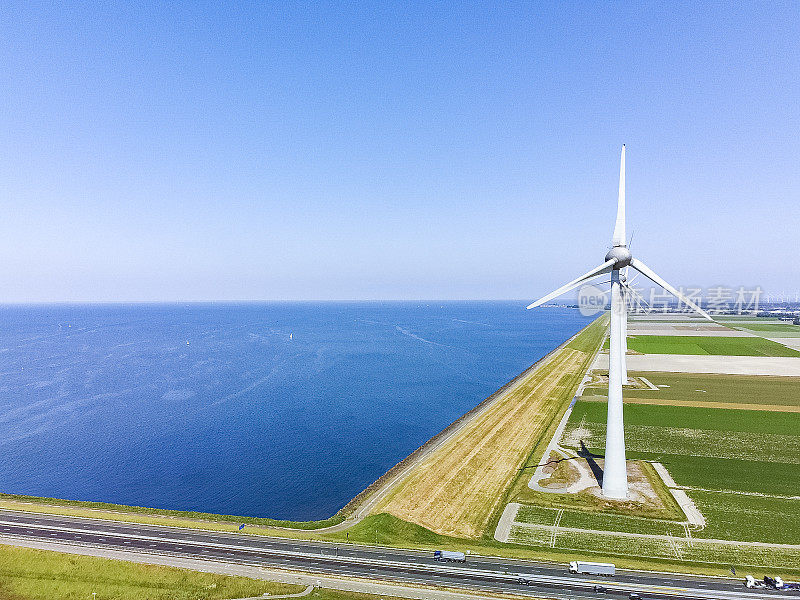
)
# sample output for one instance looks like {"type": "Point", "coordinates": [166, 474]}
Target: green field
{"type": "Point", "coordinates": [721, 346]}
{"type": "Point", "coordinates": [27, 574]}
{"type": "Point", "coordinates": [779, 327]}
{"type": "Point", "coordinates": [698, 387]}
{"type": "Point", "coordinates": [744, 317]}
{"type": "Point", "coordinates": [698, 551]}
{"type": "Point", "coordinates": [751, 422]}
{"type": "Point", "coordinates": [141, 514]}
{"type": "Point", "coordinates": [769, 437]}
{"type": "Point", "coordinates": [598, 520]}
{"type": "Point", "coordinates": [752, 476]}
{"type": "Point", "coordinates": [749, 518]}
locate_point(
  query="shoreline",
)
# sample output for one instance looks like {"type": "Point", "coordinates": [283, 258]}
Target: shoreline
{"type": "Point", "coordinates": [391, 477]}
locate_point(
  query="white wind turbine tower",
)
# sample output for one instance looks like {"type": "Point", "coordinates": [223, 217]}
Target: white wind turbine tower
{"type": "Point", "coordinates": [615, 475]}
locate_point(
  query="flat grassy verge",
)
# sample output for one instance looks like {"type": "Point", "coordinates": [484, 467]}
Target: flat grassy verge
{"type": "Point", "coordinates": [155, 516]}
{"type": "Point", "coordinates": [694, 417]}
{"type": "Point", "coordinates": [27, 574]}
{"type": "Point", "coordinates": [721, 346]}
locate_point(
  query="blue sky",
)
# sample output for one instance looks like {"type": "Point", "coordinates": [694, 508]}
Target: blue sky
{"type": "Point", "coordinates": [392, 151]}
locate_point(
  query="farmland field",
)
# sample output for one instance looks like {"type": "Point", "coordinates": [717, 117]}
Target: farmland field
{"type": "Point", "coordinates": [731, 443]}
{"type": "Point", "coordinates": [739, 466]}
{"type": "Point", "coordinates": [699, 387]}
{"type": "Point", "coordinates": [749, 422]}
{"type": "Point", "coordinates": [741, 475]}
{"type": "Point", "coordinates": [749, 518]}
{"type": "Point", "coordinates": [598, 520]}
{"type": "Point", "coordinates": [692, 431]}
{"type": "Point", "coordinates": [673, 547]}
{"type": "Point", "coordinates": [780, 327]}
{"type": "Point", "coordinates": [722, 346]}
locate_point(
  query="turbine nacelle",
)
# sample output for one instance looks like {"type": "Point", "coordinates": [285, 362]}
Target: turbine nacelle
{"type": "Point", "coordinates": [622, 255]}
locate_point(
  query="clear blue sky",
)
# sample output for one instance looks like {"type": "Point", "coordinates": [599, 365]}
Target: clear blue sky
{"type": "Point", "coordinates": [388, 151]}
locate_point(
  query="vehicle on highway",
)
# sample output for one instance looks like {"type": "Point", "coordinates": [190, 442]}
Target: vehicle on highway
{"type": "Point", "coordinates": [600, 589]}
{"type": "Point", "coordinates": [523, 581]}
{"type": "Point", "coordinates": [634, 596]}
{"type": "Point", "coordinates": [449, 556]}
{"type": "Point", "coordinates": [591, 568]}
{"type": "Point", "coordinates": [770, 583]}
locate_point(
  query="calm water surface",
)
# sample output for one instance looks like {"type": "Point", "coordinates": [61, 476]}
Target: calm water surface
{"type": "Point", "coordinates": [278, 410]}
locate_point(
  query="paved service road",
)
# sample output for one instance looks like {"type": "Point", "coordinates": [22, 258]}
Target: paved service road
{"type": "Point", "coordinates": [405, 566]}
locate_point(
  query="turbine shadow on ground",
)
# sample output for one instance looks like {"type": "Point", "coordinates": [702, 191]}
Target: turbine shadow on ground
{"type": "Point", "coordinates": [590, 460]}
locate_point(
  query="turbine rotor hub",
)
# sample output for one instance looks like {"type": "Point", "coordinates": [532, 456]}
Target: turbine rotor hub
{"type": "Point", "coordinates": [622, 254]}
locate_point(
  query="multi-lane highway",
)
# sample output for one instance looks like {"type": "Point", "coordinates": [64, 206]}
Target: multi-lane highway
{"type": "Point", "coordinates": [405, 566]}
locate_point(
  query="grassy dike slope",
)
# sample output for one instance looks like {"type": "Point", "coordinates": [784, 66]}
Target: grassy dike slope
{"type": "Point", "coordinates": [461, 485]}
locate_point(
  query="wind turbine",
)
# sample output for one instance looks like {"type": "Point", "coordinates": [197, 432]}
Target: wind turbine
{"type": "Point", "coordinates": [629, 296]}
{"type": "Point", "coordinates": [615, 475]}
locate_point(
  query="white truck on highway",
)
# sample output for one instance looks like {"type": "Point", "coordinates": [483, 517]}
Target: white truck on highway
{"type": "Point", "coordinates": [448, 556]}
{"type": "Point", "coordinates": [591, 568]}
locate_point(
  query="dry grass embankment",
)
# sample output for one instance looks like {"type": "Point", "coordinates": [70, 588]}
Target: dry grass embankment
{"type": "Point", "coordinates": [458, 487]}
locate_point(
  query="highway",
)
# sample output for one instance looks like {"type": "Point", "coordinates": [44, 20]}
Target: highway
{"type": "Point", "coordinates": [485, 574]}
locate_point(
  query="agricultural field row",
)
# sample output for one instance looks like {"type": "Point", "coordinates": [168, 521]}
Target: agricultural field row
{"type": "Point", "coordinates": [753, 422]}
{"type": "Point", "coordinates": [700, 387]}
{"type": "Point", "coordinates": [729, 474]}
{"type": "Point", "coordinates": [666, 547]}
{"type": "Point", "coordinates": [652, 439]}
{"type": "Point", "coordinates": [597, 520]}
{"type": "Point", "coordinates": [723, 457]}
{"type": "Point", "coordinates": [771, 327]}
{"type": "Point", "coordinates": [748, 518]}
{"type": "Point", "coordinates": [653, 431]}
{"type": "Point", "coordinates": [699, 345]}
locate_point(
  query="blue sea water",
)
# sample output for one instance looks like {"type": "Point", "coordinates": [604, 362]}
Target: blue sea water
{"type": "Point", "coordinates": [282, 410]}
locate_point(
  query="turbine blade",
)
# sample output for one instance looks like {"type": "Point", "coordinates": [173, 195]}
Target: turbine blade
{"type": "Point", "coordinates": [604, 268]}
{"type": "Point", "coordinates": [651, 275]}
{"type": "Point", "coordinates": [636, 294]}
{"type": "Point", "coordinates": [619, 228]}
